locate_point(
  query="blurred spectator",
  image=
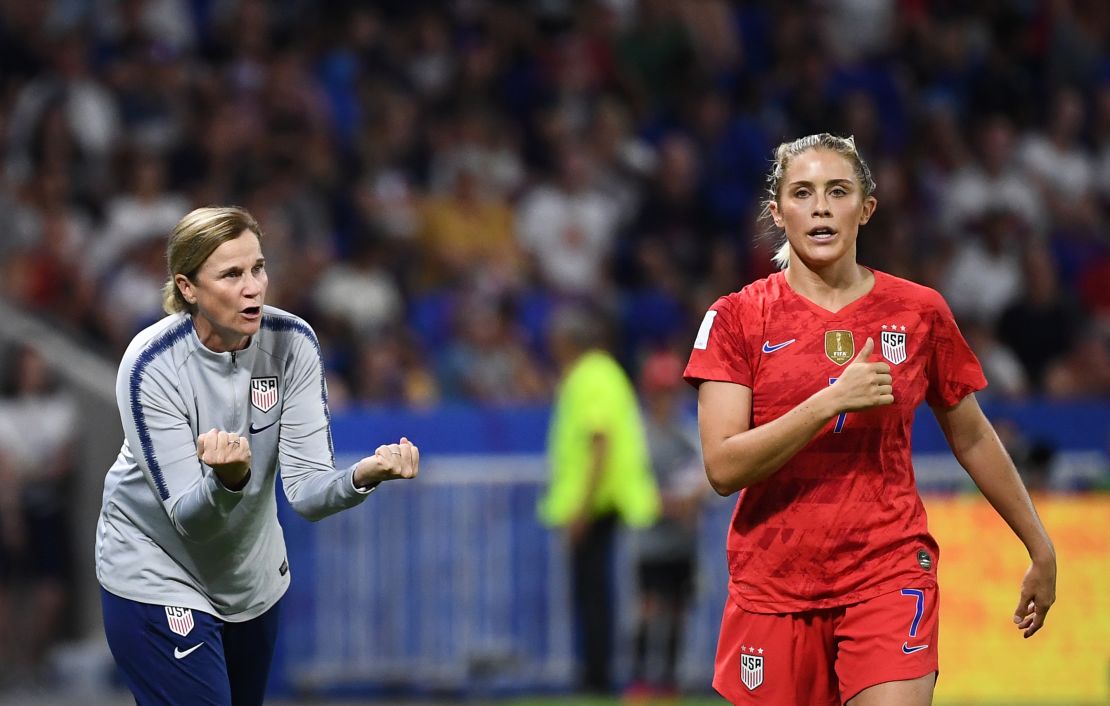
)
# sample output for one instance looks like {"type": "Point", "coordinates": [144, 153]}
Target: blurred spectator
{"type": "Point", "coordinates": [430, 66]}
{"type": "Point", "coordinates": [487, 362]}
{"type": "Point", "coordinates": [568, 227]}
{"type": "Point", "coordinates": [1082, 371]}
{"type": "Point", "coordinates": [656, 55]}
{"type": "Point", "coordinates": [623, 160]}
{"type": "Point", "coordinates": [667, 551]}
{"type": "Point", "coordinates": [468, 232]}
{"type": "Point", "coordinates": [732, 149]}
{"type": "Point", "coordinates": [124, 302]}
{"type": "Point", "coordinates": [37, 423]}
{"type": "Point", "coordinates": [714, 34]}
{"type": "Point", "coordinates": [984, 273]}
{"type": "Point", "coordinates": [1056, 159]}
{"type": "Point", "coordinates": [670, 240]}
{"type": "Point", "coordinates": [1043, 323]}
{"type": "Point", "coordinates": [482, 146]}
{"type": "Point", "coordinates": [65, 118]}
{"type": "Point", "coordinates": [360, 292]}
{"type": "Point", "coordinates": [1006, 377]}
{"type": "Point", "coordinates": [145, 213]}
{"type": "Point", "coordinates": [991, 184]}
{"type": "Point", "coordinates": [163, 21]}
{"type": "Point", "coordinates": [151, 82]}
{"type": "Point", "coordinates": [44, 267]}
{"type": "Point", "coordinates": [390, 370]}
{"type": "Point", "coordinates": [1102, 138]}
{"type": "Point", "coordinates": [1094, 289]}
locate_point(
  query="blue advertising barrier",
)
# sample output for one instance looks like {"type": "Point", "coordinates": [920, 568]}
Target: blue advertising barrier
{"type": "Point", "coordinates": [449, 584]}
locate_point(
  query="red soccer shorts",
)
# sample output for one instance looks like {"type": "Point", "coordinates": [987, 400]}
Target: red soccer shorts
{"type": "Point", "coordinates": [826, 657]}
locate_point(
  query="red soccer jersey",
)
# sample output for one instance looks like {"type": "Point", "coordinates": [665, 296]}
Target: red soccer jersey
{"type": "Point", "coordinates": [841, 521]}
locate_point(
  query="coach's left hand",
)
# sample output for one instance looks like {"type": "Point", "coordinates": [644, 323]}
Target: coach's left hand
{"type": "Point", "coordinates": [399, 461]}
{"type": "Point", "coordinates": [1038, 593]}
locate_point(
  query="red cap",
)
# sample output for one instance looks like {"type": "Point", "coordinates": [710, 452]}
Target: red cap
{"type": "Point", "coordinates": [662, 372]}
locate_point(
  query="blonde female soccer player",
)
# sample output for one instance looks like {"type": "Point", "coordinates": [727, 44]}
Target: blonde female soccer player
{"type": "Point", "coordinates": [807, 385]}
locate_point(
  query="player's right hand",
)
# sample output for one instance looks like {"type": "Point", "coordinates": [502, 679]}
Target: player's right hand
{"type": "Point", "coordinates": [228, 454]}
{"type": "Point", "coordinates": [863, 384]}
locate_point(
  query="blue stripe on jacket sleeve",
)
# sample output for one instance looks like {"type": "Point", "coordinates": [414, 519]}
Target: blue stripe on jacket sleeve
{"type": "Point", "coordinates": [160, 346]}
{"type": "Point", "coordinates": [281, 324]}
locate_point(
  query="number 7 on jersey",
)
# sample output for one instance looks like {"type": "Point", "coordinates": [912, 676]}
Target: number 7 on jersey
{"type": "Point", "coordinates": [839, 426]}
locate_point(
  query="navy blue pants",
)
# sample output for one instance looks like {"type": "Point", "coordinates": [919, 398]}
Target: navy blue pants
{"type": "Point", "coordinates": [171, 656]}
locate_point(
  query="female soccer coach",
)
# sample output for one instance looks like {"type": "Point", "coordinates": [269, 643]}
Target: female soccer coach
{"type": "Point", "coordinates": [807, 385]}
{"type": "Point", "coordinates": [215, 398]}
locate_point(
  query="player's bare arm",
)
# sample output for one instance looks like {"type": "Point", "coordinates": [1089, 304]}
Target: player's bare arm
{"type": "Point", "coordinates": [229, 455]}
{"type": "Point", "coordinates": [389, 462]}
{"type": "Point", "coordinates": [737, 455]}
{"type": "Point", "coordinates": [979, 450]}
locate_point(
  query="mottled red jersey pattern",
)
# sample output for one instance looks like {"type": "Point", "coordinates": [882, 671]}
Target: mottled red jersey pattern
{"type": "Point", "coordinates": [842, 521]}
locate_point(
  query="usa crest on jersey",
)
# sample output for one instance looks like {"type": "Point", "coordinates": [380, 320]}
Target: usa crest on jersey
{"type": "Point", "coordinates": [894, 346]}
{"type": "Point", "coordinates": [180, 620]}
{"type": "Point", "coordinates": [751, 669]}
{"type": "Point", "coordinates": [264, 393]}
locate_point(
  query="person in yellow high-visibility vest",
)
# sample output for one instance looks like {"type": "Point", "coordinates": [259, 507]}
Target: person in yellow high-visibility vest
{"type": "Point", "coordinates": [600, 475]}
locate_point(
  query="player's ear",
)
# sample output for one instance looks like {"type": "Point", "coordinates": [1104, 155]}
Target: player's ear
{"type": "Point", "coordinates": [869, 206]}
{"type": "Point", "coordinates": [776, 215]}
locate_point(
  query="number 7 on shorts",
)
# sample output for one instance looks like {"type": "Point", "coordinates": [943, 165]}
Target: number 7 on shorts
{"type": "Point", "coordinates": [919, 610]}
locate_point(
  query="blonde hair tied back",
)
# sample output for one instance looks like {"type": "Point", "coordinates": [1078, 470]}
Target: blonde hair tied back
{"type": "Point", "coordinates": [787, 151]}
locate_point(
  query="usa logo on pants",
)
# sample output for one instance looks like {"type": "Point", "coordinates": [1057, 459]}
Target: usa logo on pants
{"type": "Point", "coordinates": [751, 670]}
{"type": "Point", "coordinates": [180, 620]}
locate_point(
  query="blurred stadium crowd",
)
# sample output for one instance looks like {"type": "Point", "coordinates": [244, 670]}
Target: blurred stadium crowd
{"type": "Point", "coordinates": [435, 177]}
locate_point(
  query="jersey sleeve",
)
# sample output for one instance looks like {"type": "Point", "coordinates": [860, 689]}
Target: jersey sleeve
{"type": "Point", "coordinates": [719, 352]}
{"type": "Point", "coordinates": [156, 422]}
{"type": "Point", "coordinates": [954, 371]}
{"type": "Point", "coordinates": [314, 487]}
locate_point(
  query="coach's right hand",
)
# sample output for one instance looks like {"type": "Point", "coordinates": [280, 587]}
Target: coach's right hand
{"type": "Point", "coordinates": [863, 384]}
{"type": "Point", "coordinates": [228, 454]}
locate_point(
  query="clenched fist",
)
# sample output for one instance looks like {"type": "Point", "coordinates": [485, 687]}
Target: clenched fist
{"type": "Point", "coordinates": [389, 462]}
{"type": "Point", "coordinates": [228, 454]}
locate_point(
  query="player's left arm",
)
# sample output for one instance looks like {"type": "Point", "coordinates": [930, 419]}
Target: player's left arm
{"type": "Point", "coordinates": [979, 450]}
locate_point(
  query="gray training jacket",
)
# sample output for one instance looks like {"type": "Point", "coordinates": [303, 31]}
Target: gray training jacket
{"type": "Point", "coordinates": [169, 532]}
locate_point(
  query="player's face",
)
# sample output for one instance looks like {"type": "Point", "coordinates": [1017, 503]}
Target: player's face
{"type": "Point", "coordinates": [228, 290]}
{"type": "Point", "coordinates": [821, 207]}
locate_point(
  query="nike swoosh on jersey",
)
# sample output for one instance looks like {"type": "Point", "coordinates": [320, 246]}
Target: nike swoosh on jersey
{"type": "Point", "coordinates": [906, 649]}
{"type": "Point", "coordinates": [768, 348]}
{"type": "Point", "coordinates": [257, 430]}
{"type": "Point", "coordinates": [178, 654]}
